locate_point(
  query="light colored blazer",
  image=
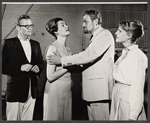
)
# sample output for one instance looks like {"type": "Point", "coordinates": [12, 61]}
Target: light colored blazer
{"type": "Point", "coordinates": [98, 61]}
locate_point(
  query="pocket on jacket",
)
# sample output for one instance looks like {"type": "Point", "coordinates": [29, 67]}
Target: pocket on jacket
{"type": "Point", "coordinates": [95, 76]}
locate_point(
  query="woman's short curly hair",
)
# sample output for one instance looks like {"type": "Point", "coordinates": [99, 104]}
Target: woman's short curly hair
{"type": "Point", "coordinates": [52, 26]}
{"type": "Point", "coordinates": [134, 27]}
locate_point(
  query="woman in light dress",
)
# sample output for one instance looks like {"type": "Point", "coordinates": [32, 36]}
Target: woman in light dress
{"type": "Point", "coordinates": [129, 74]}
{"type": "Point", "coordinates": [57, 94]}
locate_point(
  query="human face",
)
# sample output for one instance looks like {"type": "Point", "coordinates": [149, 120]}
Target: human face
{"type": "Point", "coordinates": [88, 25]}
{"type": "Point", "coordinates": [121, 35]}
{"type": "Point", "coordinates": [63, 29]}
{"type": "Point", "coordinates": [23, 30]}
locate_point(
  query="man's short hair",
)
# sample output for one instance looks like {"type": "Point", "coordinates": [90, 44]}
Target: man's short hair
{"type": "Point", "coordinates": [22, 17]}
{"type": "Point", "coordinates": [94, 15]}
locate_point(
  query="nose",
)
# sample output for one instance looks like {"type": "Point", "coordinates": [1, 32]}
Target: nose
{"type": "Point", "coordinates": [116, 32]}
{"type": "Point", "coordinates": [83, 24]}
{"type": "Point", "coordinates": [30, 28]}
{"type": "Point", "coordinates": [67, 26]}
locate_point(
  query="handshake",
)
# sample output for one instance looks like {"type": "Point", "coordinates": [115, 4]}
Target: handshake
{"type": "Point", "coordinates": [29, 67]}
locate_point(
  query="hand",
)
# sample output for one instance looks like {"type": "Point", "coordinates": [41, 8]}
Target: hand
{"type": "Point", "coordinates": [26, 67]}
{"type": "Point", "coordinates": [35, 69]}
{"type": "Point", "coordinates": [54, 59]}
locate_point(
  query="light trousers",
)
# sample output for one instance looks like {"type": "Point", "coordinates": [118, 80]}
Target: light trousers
{"type": "Point", "coordinates": [98, 111]}
{"type": "Point", "coordinates": [20, 111]}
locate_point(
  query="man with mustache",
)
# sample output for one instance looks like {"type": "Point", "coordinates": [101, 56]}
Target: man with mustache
{"type": "Point", "coordinates": [97, 61]}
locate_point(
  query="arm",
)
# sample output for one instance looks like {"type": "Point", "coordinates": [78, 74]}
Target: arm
{"type": "Point", "coordinates": [136, 96]}
{"type": "Point", "coordinates": [7, 67]}
{"type": "Point", "coordinates": [95, 50]}
{"type": "Point", "coordinates": [52, 73]}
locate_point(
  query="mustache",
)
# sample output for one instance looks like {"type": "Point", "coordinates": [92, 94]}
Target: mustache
{"type": "Point", "coordinates": [84, 28]}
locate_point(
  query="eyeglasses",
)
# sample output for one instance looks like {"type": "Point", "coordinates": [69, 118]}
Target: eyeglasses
{"type": "Point", "coordinates": [27, 26]}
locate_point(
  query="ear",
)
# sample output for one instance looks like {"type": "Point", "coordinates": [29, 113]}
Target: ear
{"type": "Point", "coordinates": [96, 21]}
{"type": "Point", "coordinates": [17, 27]}
{"type": "Point", "coordinates": [56, 33]}
{"type": "Point", "coordinates": [129, 35]}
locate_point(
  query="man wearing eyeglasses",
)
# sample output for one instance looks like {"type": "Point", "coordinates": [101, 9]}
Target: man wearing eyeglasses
{"type": "Point", "coordinates": [22, 61]}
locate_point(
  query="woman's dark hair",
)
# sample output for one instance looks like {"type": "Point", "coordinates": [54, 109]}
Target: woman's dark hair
{"type": "Point", "coordinates": [133, 27]}
{"type": "Point", "coordinates": [94, 15]}
{"type": "Point", "coordinates": [52, 26]}
{"type": "Point", "coordinates": [22, 17]}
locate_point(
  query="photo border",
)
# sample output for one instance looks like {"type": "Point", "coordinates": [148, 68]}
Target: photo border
{"type": "Point", "coordinates": [64, 1]}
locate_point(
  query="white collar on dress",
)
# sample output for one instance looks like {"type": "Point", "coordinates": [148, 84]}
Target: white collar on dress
{"type": "Point", "coordinates": [134, 46]}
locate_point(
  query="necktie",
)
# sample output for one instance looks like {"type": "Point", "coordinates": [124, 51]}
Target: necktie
{"type": "Point", "coordinates": [90, 40]}
{"type": "Point", "coordinates": [91, 37]}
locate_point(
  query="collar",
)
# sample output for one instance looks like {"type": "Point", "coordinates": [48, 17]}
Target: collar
{"type": "Point", "coordinates": [97, 31]}
{"type": "Point", "coordinates": [134, 46]}
{"type": "Point", "coordinates": [27, 39]}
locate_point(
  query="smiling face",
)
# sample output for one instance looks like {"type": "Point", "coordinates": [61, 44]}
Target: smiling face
{"type": "Point", "coordinates": [23, 30]}
{"type": "Point", "coordinates": [121, 35]}
{"type": "Point", "coordinates": [63, 29]}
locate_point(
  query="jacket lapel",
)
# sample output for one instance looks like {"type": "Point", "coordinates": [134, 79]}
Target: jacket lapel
{"type": "Point", "coordinates": [96, 36]}
{"type": "Point", "coordinates": [33, 52]}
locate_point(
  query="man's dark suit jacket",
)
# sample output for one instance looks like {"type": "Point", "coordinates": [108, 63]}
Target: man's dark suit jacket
{"type": "Point", "coordinates": [13, 57]}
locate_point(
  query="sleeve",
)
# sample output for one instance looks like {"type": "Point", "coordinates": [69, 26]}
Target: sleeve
{"type": "Point", "coordinates": [51, 50]}
{"type": "Point", "coordinates": [7, 67]}
{"type": "Point", "coordinates": [94, 50]}
{"type": "Point", "coordinates": [136, 96]}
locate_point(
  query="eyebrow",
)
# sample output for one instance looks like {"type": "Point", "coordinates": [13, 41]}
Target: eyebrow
{"type": "Point", "coordinates": [62, 23]}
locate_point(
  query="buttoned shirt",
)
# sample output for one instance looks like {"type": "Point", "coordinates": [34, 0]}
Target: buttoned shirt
{"type": "Point", "coordinates": [26, 47]}
{"type": "Point", "coordinates": [131, 71]}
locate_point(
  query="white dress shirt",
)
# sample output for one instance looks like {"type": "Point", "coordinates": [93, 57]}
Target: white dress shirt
{"type": "Point", "coordinates": [26, 47]}
{"type": "Point", "coordinates": [131, 71]}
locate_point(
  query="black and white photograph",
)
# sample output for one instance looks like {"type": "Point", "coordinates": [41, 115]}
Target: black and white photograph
{"type": "Point", "coordinates": [74, 61]}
